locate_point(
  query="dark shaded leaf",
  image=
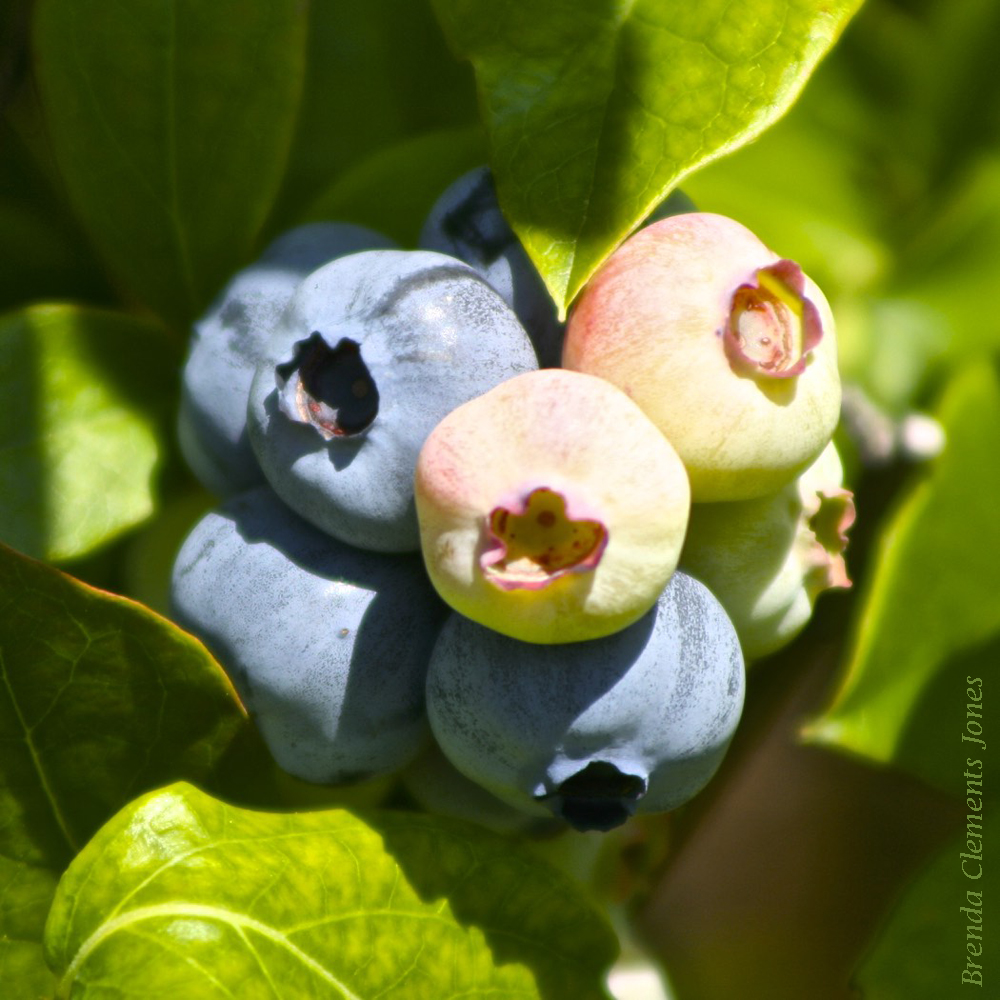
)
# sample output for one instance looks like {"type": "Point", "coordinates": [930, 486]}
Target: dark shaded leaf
{"type": "Point", "coordinates": [171, 124]}
{"type": "Point", "coordinates": [377, 73]}
{"type": "Point", "coordinates": [392, 190]}
{"type": "Point", "coordinates": [100, 700]}
{"type": "Point", "coordinates": [929, 942]}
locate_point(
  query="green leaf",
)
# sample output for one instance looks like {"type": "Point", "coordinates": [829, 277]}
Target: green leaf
{"type": "Point", "coordinates": [377, 72]}
{"type": "Point", "coordinates": [181, 895]}
{"type": "Point", "coordinates": [99, 701]}
{"type": "Point", "coordinates": [42, 253]}
{"type": "Point", "coordinates": [171, 122]}
{"type": "Point", "coordinates": [922, 950]}
{"type": "Point", "coordinates": [14, 20]}
{"type": "Point", "coordinates": [930, 619]}
{"type": "Point", "coordinates": [951, 268]}
{"type": "Point", "coordinates": [392, 190]}
{"type": "Point", "coordinates": [85, 395]}
{"type": "Point", "coordinates": [39, 259]}
{"type": "Point", "coordinates": [899, 227]}
{"type": "Point", "coordinates": [595, 113]}
{"type": "Point", "coordinates": [795, 188]}
{"type": "Point", "coordinates": [26, 893]}
{"type": "Point", "coordinates": [924, 80]}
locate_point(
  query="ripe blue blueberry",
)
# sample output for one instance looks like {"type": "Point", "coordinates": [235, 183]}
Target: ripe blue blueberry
{"type": "Point", "coordinates": [374, 349]}
{"type": "Point", "coordinates": [327, 645]}
{"type": "Point", "coordinates": [229, 341]}
{"type": "Point", "coordinates": [595, 731]}
{"type": "Point", "coordinates": [466, 222]}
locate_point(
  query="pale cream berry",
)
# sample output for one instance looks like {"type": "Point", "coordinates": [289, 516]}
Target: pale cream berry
{"type": "Point", "coordinates": [768, 559]}
{"type": "Point", "coordinates": [550, 508]}
{"type": "Point", "coordinates": [729, 349]}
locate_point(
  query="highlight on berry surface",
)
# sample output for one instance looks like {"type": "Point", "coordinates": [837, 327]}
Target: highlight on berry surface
{"type": "Point", "coordinates": [550, 508]}
{"type": "Point", "coordinates": [728, 348]}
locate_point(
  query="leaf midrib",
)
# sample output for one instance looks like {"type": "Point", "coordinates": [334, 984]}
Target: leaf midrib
{"type": "Point", "coordinates": [239, 921]}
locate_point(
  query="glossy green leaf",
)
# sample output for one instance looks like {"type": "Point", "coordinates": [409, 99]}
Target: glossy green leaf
{"type": "Point", "coordinates": [85, 394]}
{"type": "Point", "coordinates": [185, 896]}
{"type": "Point", "coordinates": [40, 259]}
{"type": "Point", "coordinates": [940, 929]}
{"type": "Point", "coordinates": [930, 619]}
{"type": "Point", "coordinates": [595, 112]}
{"type": "Point", "coordinates": [393, 190]}
{"type": "Point", "coordinates": [377, 73]}
{"type": "Point", "coordinates": [171, 122]}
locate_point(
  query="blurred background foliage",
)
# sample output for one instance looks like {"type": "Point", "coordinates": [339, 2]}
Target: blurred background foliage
{"type": "Point", "coordinates": [802, 872]}
{"type": "Point", "coordinates": [884, 182]}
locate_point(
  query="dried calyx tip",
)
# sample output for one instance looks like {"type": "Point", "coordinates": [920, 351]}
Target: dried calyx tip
{"type": "Point", "coordinates": [531, 546]}
{"type": "Point", "coordinates": [772, 325]}
{"type": "Point", "coordinates": [329, 388]}
{"type": "Point", "coordinates": [598, 797]}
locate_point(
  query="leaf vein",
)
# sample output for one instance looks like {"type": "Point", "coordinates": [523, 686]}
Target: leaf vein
{"type": "Point", "coordinates": [238, 921]}
{"type": "Point", "coordinates": [43, 778]}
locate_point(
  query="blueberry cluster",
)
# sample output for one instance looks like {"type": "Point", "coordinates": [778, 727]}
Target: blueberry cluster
{"type": "Point", "coordinates": [449, 514]}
